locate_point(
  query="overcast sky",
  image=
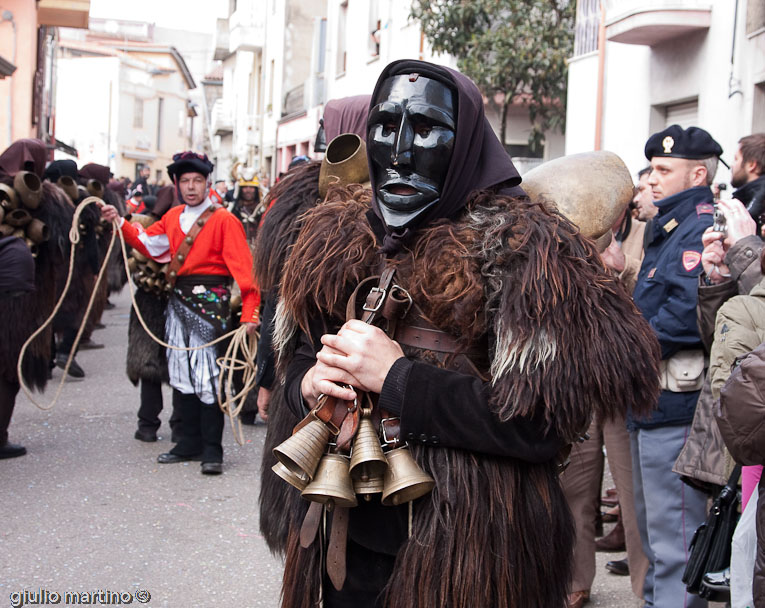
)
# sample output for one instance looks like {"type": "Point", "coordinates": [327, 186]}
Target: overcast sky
{"type": "Point", "coordinates": [176, 14]}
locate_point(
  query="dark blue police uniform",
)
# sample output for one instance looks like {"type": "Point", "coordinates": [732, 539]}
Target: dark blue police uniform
{"type": "Point", "coordinates": [666, 291]}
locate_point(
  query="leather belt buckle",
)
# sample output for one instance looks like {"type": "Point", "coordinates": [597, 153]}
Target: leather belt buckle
{"type": "Point", "coordinates": [374, 308]}
{"type": "Point", "coordinates": [395, 427]}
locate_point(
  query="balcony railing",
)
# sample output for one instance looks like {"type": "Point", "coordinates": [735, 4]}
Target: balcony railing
{"type": "Point", "coordinates": [655, 21]}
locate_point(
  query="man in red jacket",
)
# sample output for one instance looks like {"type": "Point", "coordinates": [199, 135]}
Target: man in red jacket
{"type": "Point", "coordinates": [206, 246]}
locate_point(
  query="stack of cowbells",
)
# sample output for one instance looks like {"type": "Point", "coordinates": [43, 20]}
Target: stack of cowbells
{"type": "Point", "coordinates": [24, 314]}
{"type": "Point", "coordinates": [280, 504]}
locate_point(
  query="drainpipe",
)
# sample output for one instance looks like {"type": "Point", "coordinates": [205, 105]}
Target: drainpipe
{"type": "Point", "coordinates": [601, 76]}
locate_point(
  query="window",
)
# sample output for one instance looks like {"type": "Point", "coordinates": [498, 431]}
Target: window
{"type": "Point", "coordinates": [685, 114]}
{"type": "Point", "coordinates": [755, 16]}
{"type": "Point", "coordinates": [758, 113]}
{"type": "Point", "coordinates": [587, 25]}
{"type": "Point", "coordinates": [138, 113]}
{"type": "Point", "coordinates": [271, 87]}
{"type": "Point", "coordinates": [341, 35]}
{"type": "Point", "coordinates": [375, 29]}
{"type": "Point", "coordinates": [159, 122]}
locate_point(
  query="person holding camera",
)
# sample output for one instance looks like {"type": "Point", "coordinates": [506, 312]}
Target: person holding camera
{"type": "Point", "coordinates": [730, 261]}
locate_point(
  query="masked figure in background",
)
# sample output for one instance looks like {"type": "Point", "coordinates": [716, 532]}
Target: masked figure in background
{"type": "Point", "coordinates": [298, 192]}
{"type": "Point", "coordinates": [28, 294]}
{"type": "Point", "coordinates": [486, 345]}
{"type": "Point", "coordinates": [246, 205]}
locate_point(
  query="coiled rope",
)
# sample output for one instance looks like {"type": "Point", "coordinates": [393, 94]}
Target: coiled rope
{"type": "Point", "coordinates": [230, 363]}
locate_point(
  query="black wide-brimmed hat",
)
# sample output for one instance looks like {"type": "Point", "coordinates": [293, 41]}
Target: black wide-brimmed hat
{"type": "Point", "coordinates": [189, 162]}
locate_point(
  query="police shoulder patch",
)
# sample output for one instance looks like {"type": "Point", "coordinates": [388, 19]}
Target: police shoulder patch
{"type": "Point", "coordinates": [691, 259]}
{"type": "Point", "coordinates": [705, 208]}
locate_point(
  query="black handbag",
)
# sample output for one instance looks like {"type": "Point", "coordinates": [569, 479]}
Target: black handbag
{"type": "Point", "coordinates": [710, 547]}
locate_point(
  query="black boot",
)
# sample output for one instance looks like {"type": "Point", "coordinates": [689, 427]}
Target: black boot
{"type": "Point", "coordinates": [8, 392]}
{"type": "Point", "coordinates": [148, 412]}
{"type": "Point", "coordinates": [190, 440]}
{"type": "Point", "coordinates": [212, 438]}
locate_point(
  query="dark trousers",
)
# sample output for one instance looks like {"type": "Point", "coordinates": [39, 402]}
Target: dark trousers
{"type": "Point", "coordinates": [367, 573]}
{"type": "Point", "coordinates": [67, 340]}
{"type": "Point", "coordinates": [201, 428]}
{"type": "Point", "coordinates": [151, 406]}
{"type": "Point", "coordinates": [8, 392]}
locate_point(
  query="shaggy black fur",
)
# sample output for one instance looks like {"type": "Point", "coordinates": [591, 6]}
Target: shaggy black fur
{"type": "Point", "coordinates": [147, 360]}
{"type": "Point", "coordinates": [24, 314]}
{"type": "Point", "coordinates": [565, 339]}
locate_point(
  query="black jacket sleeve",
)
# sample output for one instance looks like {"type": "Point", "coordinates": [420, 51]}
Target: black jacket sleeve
{"type": "Point", "coordinates": [439, 407]}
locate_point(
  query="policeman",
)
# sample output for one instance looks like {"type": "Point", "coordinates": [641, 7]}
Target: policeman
{"type": "Point", "coordinates": [683, 165]}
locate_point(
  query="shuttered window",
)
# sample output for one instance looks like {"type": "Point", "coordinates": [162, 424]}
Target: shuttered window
{"type": "Point", "coordinates": [684, 114]}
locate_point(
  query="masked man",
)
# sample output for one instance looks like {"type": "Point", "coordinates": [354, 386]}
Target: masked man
{"type": "Point", "coordinates": [497, 362]}
{"type": "Point", "coordinates": [206, 247]}
{"type": "Point", "coordinates": [246, 205]}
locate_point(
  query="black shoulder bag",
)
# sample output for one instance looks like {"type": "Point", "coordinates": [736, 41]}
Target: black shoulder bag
{"type": "Point", "coordinates": [711, 545]}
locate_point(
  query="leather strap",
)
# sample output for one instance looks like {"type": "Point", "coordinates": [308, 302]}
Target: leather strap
{"type": "Point", "coordinates": [183, 250]}
{"type": "Point", "coordinates": [338, 538]}
{"type": "Point", "coordinates": [427, 339]}
{"type": "Point", "coordinates": [311, 523]}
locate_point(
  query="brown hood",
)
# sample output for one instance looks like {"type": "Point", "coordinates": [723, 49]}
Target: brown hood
{"type": "Point", "coordinates": [24, 155]}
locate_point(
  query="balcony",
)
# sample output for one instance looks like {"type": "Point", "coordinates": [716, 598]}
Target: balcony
{"type": "Point", "coordinates": [63, 13]}
{"type": "Point", "coordinates": [246, 29]}
{"type": "Point", "coordinates": [221, 40]}
{"type": "Point", "coordinates": [656, 21]}
{"type": "Point", "coordinates": [222, 119]}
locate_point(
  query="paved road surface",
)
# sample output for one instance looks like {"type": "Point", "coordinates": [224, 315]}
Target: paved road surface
{"type": "Point", "coordinates": [89, 509]}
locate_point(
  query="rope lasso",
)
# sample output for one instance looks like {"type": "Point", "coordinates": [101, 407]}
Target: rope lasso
{"type": "Point", "coordinates": [228, 364]}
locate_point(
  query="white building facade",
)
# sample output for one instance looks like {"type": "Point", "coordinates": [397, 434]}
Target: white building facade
{"type": "Point", "coordinates": [687, 62]}
{"type": "Point", "coordinates": [305, 52]}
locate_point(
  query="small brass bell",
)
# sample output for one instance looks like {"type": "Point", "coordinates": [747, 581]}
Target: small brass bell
{"type": "Point", "coordinates": [297, 481]}
{"type": "Point", "coordinates": [404, 479]}
{"type": "Point", "coordinates": [301, 452]}
{"type": "Point", "coordinates": [332, 485]}
{"type": "Point", "coordinates": [365, 489]}
{"type": "Point", "coordinates": [367, 459]}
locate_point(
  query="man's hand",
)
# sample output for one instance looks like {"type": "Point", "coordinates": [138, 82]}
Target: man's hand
{"type": "Point", "coordinates": [360, 355]}
{"type": "Point", "coordinates": [362, 350]}
{"type": "Point", "coordinates": [713, 256]}
{"type": "Point", "coordinates": [613, 257]}
{"type": "Point", "coordinates": [264, 399]}
{"type": "Point", "coordinates": [109, 213]}
{"type": "Point", "coordinates": [252, 327]}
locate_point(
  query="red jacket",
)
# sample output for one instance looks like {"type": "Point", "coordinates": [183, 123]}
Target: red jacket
{"type": "Point", "coordinates": [219, 249]}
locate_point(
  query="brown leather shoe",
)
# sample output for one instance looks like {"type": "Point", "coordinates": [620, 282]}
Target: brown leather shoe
{"type": "Point", "coordinates": [577, 599]}
{"type": "Point", "coordinates": [613, 541]}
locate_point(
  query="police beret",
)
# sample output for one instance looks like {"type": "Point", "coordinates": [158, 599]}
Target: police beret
{"type": "Point", "coordinates": [189, 162]}
{"type": "Point", "coordinates": [674, 141]}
